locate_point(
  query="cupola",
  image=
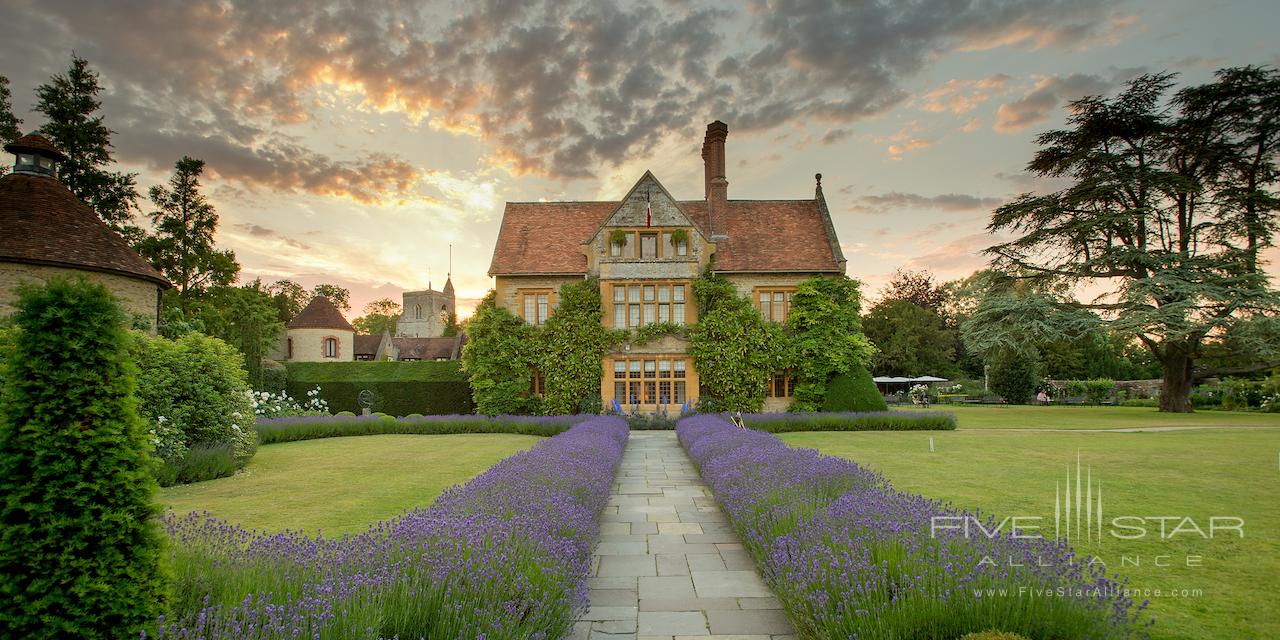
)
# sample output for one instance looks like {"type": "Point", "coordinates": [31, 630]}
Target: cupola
{"type": "Point", "coordinates": [34, 154]}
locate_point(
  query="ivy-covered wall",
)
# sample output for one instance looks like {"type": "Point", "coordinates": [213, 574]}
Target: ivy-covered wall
{"type": "Point", "coordinates": [734, 349]}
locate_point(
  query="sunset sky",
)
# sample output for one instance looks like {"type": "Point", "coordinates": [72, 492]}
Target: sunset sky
{"type": "Point", "coordinates": [354, 141]}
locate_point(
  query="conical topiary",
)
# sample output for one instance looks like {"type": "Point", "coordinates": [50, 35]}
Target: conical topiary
{"type": "Point", "coordinates": [79, 542]}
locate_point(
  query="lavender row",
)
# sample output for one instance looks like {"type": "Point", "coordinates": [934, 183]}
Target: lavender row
{"type": "Point", "coordinates": [851, 557]}
{"type": "Point", "coordinates": [504, 556]}
{"type": "Point", "coordinates": [293, 428]}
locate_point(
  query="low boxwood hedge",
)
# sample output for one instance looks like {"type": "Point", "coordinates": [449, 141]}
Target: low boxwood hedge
{"type": "Point", "coordinates": [313, 427]}
{"type": "Point", "coordinates": [852, 421]}
{"type": "Point", "coordinates": [398, 388]}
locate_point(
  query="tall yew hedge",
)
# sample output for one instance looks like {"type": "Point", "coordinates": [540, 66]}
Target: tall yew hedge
{"type": "Point", "coordinates": [79, 543]}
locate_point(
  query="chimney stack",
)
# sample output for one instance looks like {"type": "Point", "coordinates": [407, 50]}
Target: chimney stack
{"type": "Point", "coordinates": [716, 184]}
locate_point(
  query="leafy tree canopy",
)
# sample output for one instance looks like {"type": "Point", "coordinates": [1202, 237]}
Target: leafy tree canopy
{"type": "Point", "coordinates": [826, 337]}
{"type": "Point", "coordinates": [1169, 206]}
{"type": "Point", "coordinates": [380, 316]}
{"type": "Point", "coordinates": [9, 122]}
{"type": "Point", "coordinates": [499, 357]}
{"type": "Point", "coordinates": [339, 296]}
{"type": "Point", "coordinates": [911, 340]}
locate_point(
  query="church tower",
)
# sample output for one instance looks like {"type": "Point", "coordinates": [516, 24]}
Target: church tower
{"type": "Point", "coordinates": [426, 313]}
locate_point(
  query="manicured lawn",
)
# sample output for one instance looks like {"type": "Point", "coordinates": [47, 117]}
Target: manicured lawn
{"type": "Point", "coordinates": [1203, 473]}
{"type": "Point", "coordinates": [343, 485]}
{"type": "Point", "coordinates": [1083, 417]}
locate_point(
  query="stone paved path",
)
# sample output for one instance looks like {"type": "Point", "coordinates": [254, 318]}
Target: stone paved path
{"type": "Point", "coordinates": [668, 565]}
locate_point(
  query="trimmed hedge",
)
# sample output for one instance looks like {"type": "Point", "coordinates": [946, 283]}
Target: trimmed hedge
{"type": "Point", "coordinates": [292, 429]}
{"type": "Point", "coordinates": [399, 388]}
{"type": "Point", "coordinates": [855, 391]}
{"type": "Point", "coordinates": [858, 421]}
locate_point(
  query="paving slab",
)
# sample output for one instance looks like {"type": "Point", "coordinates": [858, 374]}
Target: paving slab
{"type": "Point", "coordinates": [668, 565]}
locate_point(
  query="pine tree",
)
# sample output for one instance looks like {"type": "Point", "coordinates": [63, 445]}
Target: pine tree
{"type": "Point", "coordinates": [9, 130]}
{"type": "Point", "coordinates": [70, 102]}
{"type": "Point", "coordinates": [182, 246]}
{"type": "Point", "coordinates": [79, 541]}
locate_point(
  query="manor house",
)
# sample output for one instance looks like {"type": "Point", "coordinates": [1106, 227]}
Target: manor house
{"type": "Point", "coordinates": [646, 249]}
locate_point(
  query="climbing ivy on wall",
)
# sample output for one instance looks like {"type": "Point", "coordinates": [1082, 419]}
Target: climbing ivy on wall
{"type": "Point", "coordinates": [572, 345]}
{"type": "Point", "coordinates": [734, 348]}
{"type": "Point", "coordinates": [826, 337]}
{"type": "Point", "coordinates": [499, 357]}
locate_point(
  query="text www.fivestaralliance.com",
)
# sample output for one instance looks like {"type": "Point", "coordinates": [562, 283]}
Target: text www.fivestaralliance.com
{"type": "Point", "coordinates": [1063, 592]}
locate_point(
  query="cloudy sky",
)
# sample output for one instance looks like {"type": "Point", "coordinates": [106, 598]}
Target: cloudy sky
{"type": "Point", "coordinates": [352, 141]}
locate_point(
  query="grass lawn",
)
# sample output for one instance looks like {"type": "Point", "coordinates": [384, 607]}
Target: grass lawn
{"type": "Point", "coordinates": [1084, 417]}
{"type": "Point", "coordinates": [343, 485]}
{"type": "Point", "coordinates": [1203, 473]}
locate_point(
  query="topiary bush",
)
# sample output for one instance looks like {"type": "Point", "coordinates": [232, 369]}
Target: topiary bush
{"type": "Point", "coordinates": [1014, 375]}
{"type": "Point", "coordinates": [80, 545]}
{"type": "Point", "coordinates": [197, 384]}
{"type": "Point", "coordinates": [854, 391]}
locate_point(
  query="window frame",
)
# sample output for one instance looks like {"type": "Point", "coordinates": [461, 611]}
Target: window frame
{"type": "Point", "coordinates": [523, 294]}
{"type": "Point", "coordinates": [324, 347]}
{"type": "Point", "coordinates": [759, 293]}
{"type": "Point", "coordinates": [635, 310]}
{"type": "Point", "coordinates": [650, 384]}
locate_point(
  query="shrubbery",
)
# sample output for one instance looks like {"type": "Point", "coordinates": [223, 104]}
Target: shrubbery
{"type": "Point", "coordinates": [282, 405]}
{"type": "Point", "coordinates": [79, 546]}
{"type": "Point", "coordinates": [861, 421]}
{"type": "Point", "coordinates": [195, 389]}
{"type": "Point", "coordinates": [275, 378]}
{"type": "Point", "coordinates": [854, 391]}
{"type": "Point", "coordinates": [398, 388]}
{"type": "Point", "coordinates": [348, 424]}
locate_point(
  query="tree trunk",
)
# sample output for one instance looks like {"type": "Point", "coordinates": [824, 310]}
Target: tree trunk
{"type": "Point", "coordinates": [1175, 394]}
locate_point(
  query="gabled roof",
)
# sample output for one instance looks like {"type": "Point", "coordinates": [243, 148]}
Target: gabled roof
{"type": "Point", "coordinates": [444, 348]}
{"type": "Point", "coordinates": [366, 345]}
{"type": "Point", "coordinates": [546, 237]}
{"type": "Point", "coordinates": [320, 314]}
{"type": "Point", "coordinates": [42, 222]}
{"type": "Point", "coordinates": [772, 235]}
{"type": "Point", "coordinates": [763, 236]}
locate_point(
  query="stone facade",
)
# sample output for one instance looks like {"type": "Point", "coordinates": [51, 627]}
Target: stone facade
{"type": "Point", "coordinates": [307, 345]}
{"type": "Point", "coordinates": [138, 298]}
{"type": "Point", "coordinates": [646, 249]}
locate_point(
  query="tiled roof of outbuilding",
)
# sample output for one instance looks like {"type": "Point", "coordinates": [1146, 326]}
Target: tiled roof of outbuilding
{"type": "Point", "coordinates": [366, 345]}
{"type": "Point", "coordinates": [320, 314]}
{"type": "Point", "coordinates": [42, 222]}
{"type": "Point", "coordinates": [444, 348]}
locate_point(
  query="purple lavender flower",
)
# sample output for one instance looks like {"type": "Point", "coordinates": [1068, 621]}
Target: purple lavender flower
{"type": "Point", "coordinates": [504, 556]}
{"type": "Point", "coordinates": [850, 556]}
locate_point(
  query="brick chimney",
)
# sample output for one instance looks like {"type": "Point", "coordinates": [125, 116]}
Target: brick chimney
{"type": "Point", "coordinates": [717, 186]}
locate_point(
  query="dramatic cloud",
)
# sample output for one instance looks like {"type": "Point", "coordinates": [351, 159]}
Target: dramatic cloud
{"type": "Point", "coordinates": [1038, 104]}
{"type": "Point", "coordinates": [560, 89]}
{"type": "Point", "coordinates": [962, 96]}
{"type": "Point", "coordinates": [889, 202]}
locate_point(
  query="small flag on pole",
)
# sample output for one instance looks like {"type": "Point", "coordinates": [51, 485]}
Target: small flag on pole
{"type": "Point", "coordinates": [648, 211]}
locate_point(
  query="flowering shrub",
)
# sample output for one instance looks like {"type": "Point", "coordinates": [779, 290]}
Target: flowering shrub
{"type": "Point", "coordinates": [197, 383]}
{"type": "Point", "coordinates": [505, 556]}
{"type": "Point", "coordinates": [851, 557]}
{"type": "Point", "coordinates": [280, 405]}
{"type": "Point", "coordinates": [168, 439]}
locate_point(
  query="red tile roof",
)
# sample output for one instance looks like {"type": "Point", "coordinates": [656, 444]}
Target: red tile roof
{"type": "Point", "coordinates": [770, 235]}
{"type": "Point", "coordinates": [366, 345]}
{"type": "Point", "coordinates": [545, 237]}
{"type": "Point", "coordinates": [320, 314]}
{"type": "Point", "coordinates": [42, 222]}
{"type": "Point", "coordinates": [763, 235]}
